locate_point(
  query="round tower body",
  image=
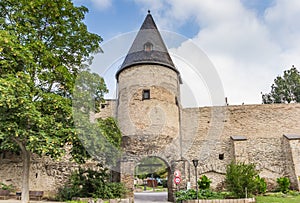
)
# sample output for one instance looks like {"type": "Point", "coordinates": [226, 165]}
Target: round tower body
{"type": "Point", "coordinates": [148, 109]}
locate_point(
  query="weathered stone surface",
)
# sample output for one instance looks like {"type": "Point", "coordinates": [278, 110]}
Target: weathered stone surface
{"type": "Point", "coordinates": [107, 109]}
{"type": "Point", "coordinates": [208, 131]}
{"type": "Point", "coordinates": [150, 127]}
{"type": "Point", "coordinates": [45, 174]}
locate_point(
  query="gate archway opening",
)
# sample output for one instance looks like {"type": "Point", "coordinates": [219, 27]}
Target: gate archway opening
{"type": "Point", "coordinates": [153, 174]}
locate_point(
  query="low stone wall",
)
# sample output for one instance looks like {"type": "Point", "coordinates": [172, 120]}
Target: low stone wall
{"type": "Point", "coordinates": [246, 200]}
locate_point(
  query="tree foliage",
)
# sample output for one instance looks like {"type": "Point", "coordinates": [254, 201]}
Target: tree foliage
{"type": "Point", "coordinates": [44, 46]}
{"type": "Point", "coordinates": [151, 166]}
{"type": "Point", "coordinates": [286, 88]}
{"type": "Point", "coordinates": [240, 179]}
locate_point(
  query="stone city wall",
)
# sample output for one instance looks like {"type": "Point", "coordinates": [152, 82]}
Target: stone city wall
{"type": "Point", "coordinates": [208, 134]}
{"type": "Point", "coordinates": [261, 126]}
{"type": "Point", "coordinates": [45, 174]}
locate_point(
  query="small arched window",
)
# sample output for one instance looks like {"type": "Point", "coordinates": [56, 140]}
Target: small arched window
{"type": "Point", "coordinates": [148, 46]}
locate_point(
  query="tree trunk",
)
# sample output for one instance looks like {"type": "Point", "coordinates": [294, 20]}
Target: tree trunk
{"type": "Point", "coordinates": [25, 175]}
{"type": "Point", "coordinates": [26, 168]}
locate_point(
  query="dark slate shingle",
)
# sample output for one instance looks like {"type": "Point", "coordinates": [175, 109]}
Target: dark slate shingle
{"type": "Point", "coordinates": [148, 34]}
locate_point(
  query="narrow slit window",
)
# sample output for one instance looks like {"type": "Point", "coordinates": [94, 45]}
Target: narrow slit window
{"type": "Point", "coordinates": [146, 94]}
{"type": "Point", "coordinates": [221, 156]}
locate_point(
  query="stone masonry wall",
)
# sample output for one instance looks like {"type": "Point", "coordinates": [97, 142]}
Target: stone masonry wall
{"type": "Point", "coordinates": [45, 174]}
{"type": "Point", "coordinates": [107, 109]}
{"type": "Point", "coordinates": [150, 127]}
{"type": "Point", "coordinates": [292, 149]}
{"type": "Point", "coordinates": [207, 135]}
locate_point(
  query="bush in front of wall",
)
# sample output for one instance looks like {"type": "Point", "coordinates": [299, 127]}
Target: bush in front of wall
{"type": "Point", "coordinates": [261, 185]}
{"type": "Point", "coordinates": [91, 183]}
{"type": "Point", "coordinates": [204, 183]}
{"type": "Point", "coordinates": [240, 179]}
{"type": "Point", "coordinates": [283, 184]}
{"type": "Point", "coordinates": [185, 195]}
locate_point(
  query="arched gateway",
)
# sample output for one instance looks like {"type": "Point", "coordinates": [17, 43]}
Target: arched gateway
{"type": "Point", "coordinates": [148, 106]}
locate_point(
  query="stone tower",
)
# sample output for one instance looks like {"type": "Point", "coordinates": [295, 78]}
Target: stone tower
{"type": "Point", "coordinates": [148, 108]}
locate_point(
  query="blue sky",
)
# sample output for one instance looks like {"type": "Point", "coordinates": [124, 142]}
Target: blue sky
{"type": "Point", "coordinates": [249, 42]}
{"type": "Point", "coordinates": [123, 16]}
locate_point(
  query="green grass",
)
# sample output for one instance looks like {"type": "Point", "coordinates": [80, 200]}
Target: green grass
{"type": "Point", "coordinates": [278, 199]}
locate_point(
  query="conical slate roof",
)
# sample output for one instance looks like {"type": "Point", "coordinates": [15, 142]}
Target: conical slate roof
{"type": "Point", "coordinates": [148, 48]}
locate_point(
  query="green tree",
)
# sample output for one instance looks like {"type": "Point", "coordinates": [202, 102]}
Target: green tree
{"type": "Point", "coordinates": [100, 137]}
{"type": "Point", "coordinates": [286, 88]}
{"type": "Point", "coordinates": [151, 166]}
{"type": "Point", "coordinates": [44, 45]}
{"type": "Point", "coordinates": [240, 179]}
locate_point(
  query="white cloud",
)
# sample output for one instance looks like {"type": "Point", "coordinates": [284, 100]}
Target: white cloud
{"type": "Point", "coordinates": [102, 4]}
{"type": "Point", "coordinates": [247, 49]}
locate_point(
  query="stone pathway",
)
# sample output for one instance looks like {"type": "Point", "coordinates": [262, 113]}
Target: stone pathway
{"type": "Point", "coordinates": [147, 197]}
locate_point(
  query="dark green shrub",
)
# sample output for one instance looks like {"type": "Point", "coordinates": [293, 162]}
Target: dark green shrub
{"type": "Point", "coordinates": [240, 179]}
{"type": "Point", "coordinates": [10, 187]}
{"type": "Point", "coordinates": [90, 183]}
{"type": "Point", "coordinates": [202, 194]}
{"type": "Point", "coordinates": [283, 184]}
{"type": "Point", "coordinates": [110, 191]}
{"type": "Point", "coordinates": [261, 185]}
{"type": "Point", "coordinates": [164, 183]}
{"type": "Point", "coordinates": [208, 194]}
{"type": "Point", "coordinates": [185, 195]}
{"type": "Point", "coordinates": [67, 193]}
{"type": "Point", "coordinates": [204, 183]}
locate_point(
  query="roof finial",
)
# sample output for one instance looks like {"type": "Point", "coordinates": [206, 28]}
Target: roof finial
{"type": "Point", "coordinates": [148, 11]}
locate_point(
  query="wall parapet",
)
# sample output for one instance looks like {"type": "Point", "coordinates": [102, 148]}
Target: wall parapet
{"type": "Point", "coordinates": [292, 136]}
{"type": "Point", "coordinates": [238, 137]}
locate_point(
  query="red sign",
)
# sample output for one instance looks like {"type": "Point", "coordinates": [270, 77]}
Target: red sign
{"type": "Point", "coordinates": [177, 180]}
{"type": "Point", "coordinates": [177, 173]}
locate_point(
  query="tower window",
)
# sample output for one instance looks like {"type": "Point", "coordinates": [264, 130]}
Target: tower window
{"type": "Point", "coordinates": [148, 46]}
{"type": "Point", "coordinates": [221, 156]}
{"type": "Point", "coordinates": [146, 94]}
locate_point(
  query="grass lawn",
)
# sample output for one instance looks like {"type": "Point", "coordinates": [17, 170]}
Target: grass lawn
{"type": "Point", "coordinates": [275, 199]}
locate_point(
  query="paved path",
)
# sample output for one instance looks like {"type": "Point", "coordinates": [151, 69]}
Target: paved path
{"type": "Point", "coordinates": [146, 197]}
